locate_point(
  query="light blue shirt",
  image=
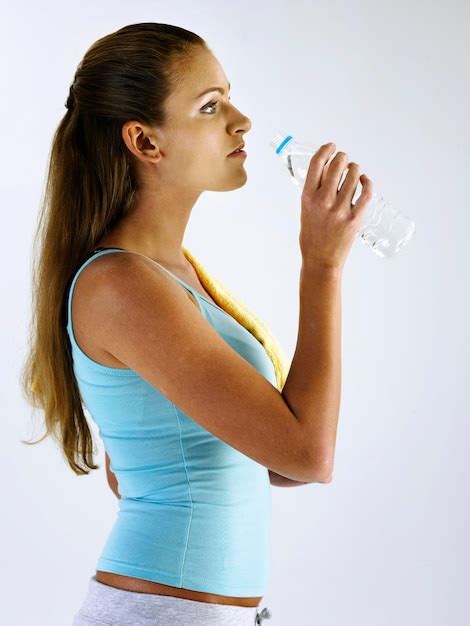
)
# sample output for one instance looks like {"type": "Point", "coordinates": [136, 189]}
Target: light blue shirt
{"type": "Point", "coordinates": [194, 512]}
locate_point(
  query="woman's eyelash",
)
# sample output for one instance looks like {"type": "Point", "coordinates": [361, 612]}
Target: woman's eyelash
{"type": "Point", "coordinates": [211, 104]}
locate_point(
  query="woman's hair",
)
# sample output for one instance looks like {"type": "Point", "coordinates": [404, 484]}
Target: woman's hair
{"type": "Point", "coordinates": [90, 186]}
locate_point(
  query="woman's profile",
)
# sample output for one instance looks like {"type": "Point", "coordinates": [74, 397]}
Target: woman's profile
{"type": "Point", "coordinates": [195, 424]}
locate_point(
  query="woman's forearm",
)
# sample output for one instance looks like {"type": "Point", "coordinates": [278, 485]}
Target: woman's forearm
{"type": "Point", "coordinates": [281, 481]}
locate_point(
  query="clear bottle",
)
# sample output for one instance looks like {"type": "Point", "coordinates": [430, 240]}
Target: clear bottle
{"type": "Point", "coordinates": [384, 229]}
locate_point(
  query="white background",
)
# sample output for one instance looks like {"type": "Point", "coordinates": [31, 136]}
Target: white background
{"type": "Point", "coordinates": [386, 542]}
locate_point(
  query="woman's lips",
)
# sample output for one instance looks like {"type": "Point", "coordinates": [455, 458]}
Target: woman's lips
{"type": "Point", "coordinates": [238, 153]}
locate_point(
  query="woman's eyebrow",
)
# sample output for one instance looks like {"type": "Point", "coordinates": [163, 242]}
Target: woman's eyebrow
{"type": "Point", "coordinates": [213, 89]}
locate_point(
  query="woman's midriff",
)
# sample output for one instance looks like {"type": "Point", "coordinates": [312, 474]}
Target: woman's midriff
{"type": "Point", "coordinates": [129, 583]}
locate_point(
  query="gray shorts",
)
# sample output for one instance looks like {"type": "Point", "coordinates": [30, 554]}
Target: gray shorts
{"type": "Point", "coordinates": [110, 606]}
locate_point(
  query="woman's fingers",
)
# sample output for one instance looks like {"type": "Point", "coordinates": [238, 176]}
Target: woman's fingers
{"type": "Point", "coordinates": [315, 169]}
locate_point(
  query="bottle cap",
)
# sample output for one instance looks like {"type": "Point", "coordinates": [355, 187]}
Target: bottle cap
{"type": "Point", "coordinates": [280, 140]}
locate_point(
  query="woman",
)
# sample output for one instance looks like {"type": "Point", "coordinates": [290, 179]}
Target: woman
{"type": "Point", "coordinates": [136, 148]}
{"type": "Point", "coordinates": [184, 397]}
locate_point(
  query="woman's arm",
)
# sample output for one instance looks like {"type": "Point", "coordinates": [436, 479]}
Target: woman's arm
{"type": "Point", "coordinates": [112, 480]}
{"type": "Point", "coordinates": [281, 481]}
{"type": "Point", "coordinates": [276, 479]}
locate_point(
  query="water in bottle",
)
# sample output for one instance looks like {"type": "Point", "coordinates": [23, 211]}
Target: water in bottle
{"type": "Point", "coordinates": [384, 229]}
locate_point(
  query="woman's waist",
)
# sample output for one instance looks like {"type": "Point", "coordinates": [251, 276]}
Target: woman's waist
{"type": "Point", "coordinates": [139, 585]}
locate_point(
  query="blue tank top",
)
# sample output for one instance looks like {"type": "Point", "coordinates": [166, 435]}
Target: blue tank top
{"type": "Point", "coordinates": [194, 512]}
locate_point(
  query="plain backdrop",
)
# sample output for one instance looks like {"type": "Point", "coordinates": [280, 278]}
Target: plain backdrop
{"type": "Point", "coordinates": [386, 542]}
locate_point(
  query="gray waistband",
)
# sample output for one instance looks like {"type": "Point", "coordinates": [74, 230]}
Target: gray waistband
{"type": "Point", "coordinates": [113, 605]}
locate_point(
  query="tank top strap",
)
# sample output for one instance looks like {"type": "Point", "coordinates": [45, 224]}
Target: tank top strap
{"type": "Point", "coordinates": [196, 294]}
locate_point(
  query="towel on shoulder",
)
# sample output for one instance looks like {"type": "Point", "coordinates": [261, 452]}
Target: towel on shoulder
{"type": "Point", "coordinates": [224, 298]}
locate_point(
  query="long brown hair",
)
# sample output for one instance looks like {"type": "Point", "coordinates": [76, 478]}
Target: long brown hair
{"type": "Point", "coordinates": [90, 186]}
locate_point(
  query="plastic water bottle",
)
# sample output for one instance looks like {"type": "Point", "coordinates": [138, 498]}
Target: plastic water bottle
{"type": "Point", "coordinates": [383, 228]}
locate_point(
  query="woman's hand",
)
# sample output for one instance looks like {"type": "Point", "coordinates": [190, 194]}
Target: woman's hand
{"type": "Point", "coordinates": [281, 481]}
{"type": "Point", "coordinates": [329, 220]}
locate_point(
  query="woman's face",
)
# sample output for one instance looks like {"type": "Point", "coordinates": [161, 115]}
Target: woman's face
{"type": "Point", "coordinates": [202, 129]}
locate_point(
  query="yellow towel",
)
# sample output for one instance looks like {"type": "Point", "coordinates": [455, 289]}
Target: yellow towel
{"type": "Point", "coordinates": [228, 301]}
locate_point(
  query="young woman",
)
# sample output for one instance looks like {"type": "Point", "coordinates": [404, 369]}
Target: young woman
{"type": "Point", "coordinates": [185, 397]}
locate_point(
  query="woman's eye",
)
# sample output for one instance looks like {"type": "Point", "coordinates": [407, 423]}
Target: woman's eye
{"type": "Point", "coordinates": [212, 105]}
